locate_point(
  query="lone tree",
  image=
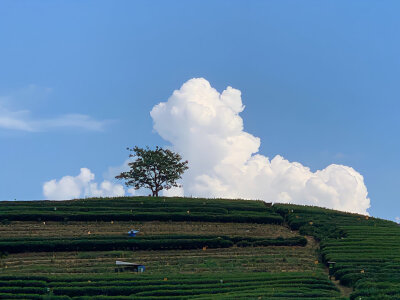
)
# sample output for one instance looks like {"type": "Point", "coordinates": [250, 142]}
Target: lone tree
{"type": "Point", "coordinates": [154, 169]}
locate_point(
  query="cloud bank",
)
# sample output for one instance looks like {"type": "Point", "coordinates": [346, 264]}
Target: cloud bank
{"type": "Point", "coordinates": [205, 127]}
{"type": "Point", "coordinates": [22, 119]}
{"type": "Point", "coordinates": [82, 185]}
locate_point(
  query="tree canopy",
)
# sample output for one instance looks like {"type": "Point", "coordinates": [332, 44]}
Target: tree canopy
{"type": "Point", "coordinates": [154, 169]}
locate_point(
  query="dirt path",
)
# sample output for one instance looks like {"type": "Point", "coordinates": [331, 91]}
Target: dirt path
{"type": "Point", "coordinates": [313, 244]}
{"type": "Point", "coordinates": [344, 290]}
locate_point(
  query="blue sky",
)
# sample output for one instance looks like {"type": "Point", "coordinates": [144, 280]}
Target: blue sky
{"type": "Point", "coordinates": [319, 81]}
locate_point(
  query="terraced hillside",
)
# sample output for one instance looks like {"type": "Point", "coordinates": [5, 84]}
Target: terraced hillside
{"type": "Point", "coordinates": [366, 251]}
{"type": "Point", "coordinates": [192, 249]}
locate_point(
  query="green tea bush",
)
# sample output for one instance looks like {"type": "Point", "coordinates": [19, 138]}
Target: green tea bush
{"type": "Point", "coordinates": [366, 250]}
{"type": "Point", "coordinates": [161, 242]}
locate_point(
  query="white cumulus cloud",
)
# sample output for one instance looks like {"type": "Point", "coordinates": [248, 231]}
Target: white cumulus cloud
{"type": "Point", "coordinates": [82, 185]}
{"type": "Point", "coordinates": [206, 128]}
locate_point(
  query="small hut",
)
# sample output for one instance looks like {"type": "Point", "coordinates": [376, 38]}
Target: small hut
{"type": "Point", "coordinates": [122, 266]}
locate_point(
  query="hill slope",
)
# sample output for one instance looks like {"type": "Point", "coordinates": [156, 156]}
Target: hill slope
{"type": "Point", "coordinates": [192, 249]}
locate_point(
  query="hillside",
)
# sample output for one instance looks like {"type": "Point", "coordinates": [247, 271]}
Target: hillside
{"type": "Point", "coordinates": [193, 249]}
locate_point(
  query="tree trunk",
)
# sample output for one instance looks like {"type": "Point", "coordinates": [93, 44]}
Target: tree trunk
{"type": "Point", "coordinates": [156, 190]}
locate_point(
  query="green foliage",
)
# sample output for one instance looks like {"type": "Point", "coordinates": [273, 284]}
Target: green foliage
{"type": "Point", "coordinates": [154, 169]}
{"type": "Point", "coordinates": [366, 250]}
{"type": "Point", "coordinates": [141, 209]}
{"type": "Point", "coordinates": [22, 290]}
{"type": "Point", "coordinates": [216, 286]}
{"type": "Point", "coordinates": [20, 296]}
{"type": "Point", "coordinates": [161, 242]}
{"type": "Point", "coordinates": [22, 283]}
{"type": "Point", "coordinates": [5, 222]}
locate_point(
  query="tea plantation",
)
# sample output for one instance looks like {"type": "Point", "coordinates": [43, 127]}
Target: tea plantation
{"type": "Point", "coordinates": [366, 251]}
{"type": "Point", "coordinates": [193, 249]}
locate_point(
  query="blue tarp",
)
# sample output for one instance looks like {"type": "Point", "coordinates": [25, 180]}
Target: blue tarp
{"type": "Point", "coordinates": [132, 232]}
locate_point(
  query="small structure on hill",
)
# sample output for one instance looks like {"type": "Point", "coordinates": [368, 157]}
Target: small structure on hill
{"type": "Point", "coordinates": [133, 232]}
{"type": "Point", "coordinates": [122, 266]}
